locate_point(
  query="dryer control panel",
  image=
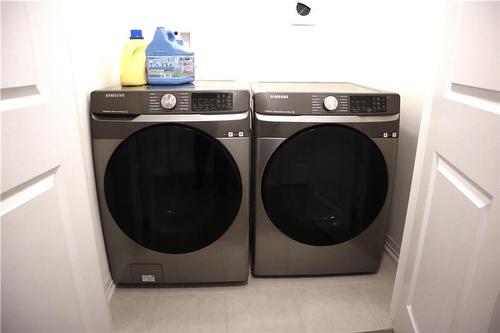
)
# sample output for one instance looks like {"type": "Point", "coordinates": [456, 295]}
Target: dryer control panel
{"type": "Point", "coordinates": [323, 98]}
{"type": "Point", "coordinates": [326, 104]}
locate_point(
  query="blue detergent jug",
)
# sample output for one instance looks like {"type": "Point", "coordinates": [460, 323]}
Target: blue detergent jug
{"type": "Point", "coordinates": [168, 62]}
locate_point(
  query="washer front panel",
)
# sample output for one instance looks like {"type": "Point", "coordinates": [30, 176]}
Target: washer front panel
{"type": "Point", "coordinates": [325, 185]}
{"type": "Point", "coordinates": [172, 188]}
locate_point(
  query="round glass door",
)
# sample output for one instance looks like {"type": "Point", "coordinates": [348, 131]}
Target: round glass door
{"type": "Point", "coordinates": [325, 185]}
{"type": "Point", "coordinates": [172, 188]}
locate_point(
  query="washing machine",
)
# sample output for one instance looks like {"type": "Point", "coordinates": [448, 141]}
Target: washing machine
{"type": "Point", "coordinates": [325, 159]}
{"type": "Point", "coordinates": [172, 169]}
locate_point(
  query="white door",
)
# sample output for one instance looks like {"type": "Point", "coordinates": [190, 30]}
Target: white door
{"type": "Point", "coordinates": [50, 279]}
{"type": "Point", "coordinates": [448, 279]}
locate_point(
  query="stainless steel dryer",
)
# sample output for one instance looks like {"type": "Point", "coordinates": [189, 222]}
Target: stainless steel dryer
{"type": "Point", "coordinates": [325, 157]}
{"type": "Point", "coordinates": [172, 173]}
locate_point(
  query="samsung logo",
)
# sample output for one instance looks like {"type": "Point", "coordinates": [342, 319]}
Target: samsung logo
{"type": "Point", "coordinates": [115, 95]}
{"type": "Point", "coordinates": [278, 96]}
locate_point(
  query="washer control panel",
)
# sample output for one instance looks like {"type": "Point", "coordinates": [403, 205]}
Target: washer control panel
{"type": "Point", "coordinates": [321, 103]}
{"type": "Point", "coordinates": [168, 101]}
{"type": "Point", "coordinates": [165, 102]}
{"type": "Point", "coordinates": [193, 102]}
{"type": "Point", "coordinates": [330, 103]}
{"type": "Point", "coordinates": [132, 101]}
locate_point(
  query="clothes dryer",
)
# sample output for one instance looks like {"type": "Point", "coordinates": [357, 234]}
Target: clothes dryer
{"type": "Point", "coordinates": [325, 159]}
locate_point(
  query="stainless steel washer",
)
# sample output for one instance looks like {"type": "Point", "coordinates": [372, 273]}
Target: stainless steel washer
{"type": "Point", "coordinates": [172, 173]}
{"type": "Point", "coordinates": [325, 158]}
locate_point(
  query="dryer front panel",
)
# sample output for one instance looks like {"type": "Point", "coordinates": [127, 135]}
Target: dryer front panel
{"type": "Point", "coordinates": [325, 185]}
{"type": "Point", "coordinates": [172, 188]}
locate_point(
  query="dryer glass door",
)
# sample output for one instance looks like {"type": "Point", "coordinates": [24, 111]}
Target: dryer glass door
{"type": "Point", "coordinates": [325, 185]}
{"type": "Point", "coordinates": [172, 188]}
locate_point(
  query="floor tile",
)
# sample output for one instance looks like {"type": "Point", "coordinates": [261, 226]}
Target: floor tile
{"type": "Point", "coordinates": [378, 297]}
{"type": "Point", "coordinates": [132, 311]}
{"type": "Point", "coordinates": [262, 312]}
{"type": "Point", "coordinates": [354, 303]}
{"type": "Point", "coordinates": [190, 313]}
{"type": "Point", "coordinates": [387, 271]}
{"type": "Point", "coordinates": [334, 309]}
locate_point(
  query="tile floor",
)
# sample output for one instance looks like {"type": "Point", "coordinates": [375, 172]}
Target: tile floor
{"type": "Point", "coordinates": [317, 304]}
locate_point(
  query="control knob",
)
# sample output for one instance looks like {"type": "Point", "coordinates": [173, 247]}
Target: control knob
{"type": "Point", "coordinates": [168, 101]}
{"type": "Point", "coordinates": [330, 103]}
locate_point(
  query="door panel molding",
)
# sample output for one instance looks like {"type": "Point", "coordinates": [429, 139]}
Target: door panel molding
{"type": "Point", "coordinates": [465, 224]}
{"type": "Point", "coordinates": [23, 102]}
{"type": "Point", "coordinates": [27, 191]}
{"type": "Point", "coordinates": [18, 92]}
{"type": "Point", "coordinates": [487, 100]}
{"type": "Point", "coordinates": [30, 132]}
{"type": "Point", "coordinates": [465, 185]}
{"type": "Point", "coordinates": [423, 232]}
{"type": "Point", "coordinates": [412, 318]}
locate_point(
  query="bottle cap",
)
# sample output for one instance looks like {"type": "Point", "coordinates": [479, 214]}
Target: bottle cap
{"type": "Point", "coordinates": [136, 34]}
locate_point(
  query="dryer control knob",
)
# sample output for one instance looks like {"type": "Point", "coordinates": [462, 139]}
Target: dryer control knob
{"type": "Point", "coordinates": [168, 101]}
{"type": "Point", "coordinates": [330, 103]}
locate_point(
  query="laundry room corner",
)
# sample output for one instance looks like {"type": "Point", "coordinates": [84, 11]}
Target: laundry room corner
{"type": "Point", "coordinates": [250, 166]}
{"type": "Point", "coordinates": [396, 53]}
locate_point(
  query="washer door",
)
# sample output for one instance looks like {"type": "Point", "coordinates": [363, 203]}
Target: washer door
{"type": "Point", "coordinates": [325, 185]}
{"type": "Point", "coordinates": [172, 188]}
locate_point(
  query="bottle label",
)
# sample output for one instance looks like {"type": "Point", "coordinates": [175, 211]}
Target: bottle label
{"type": "Point", "coordinates": [170, 67]}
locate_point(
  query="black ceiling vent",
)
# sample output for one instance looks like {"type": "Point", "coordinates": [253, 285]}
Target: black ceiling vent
{"type": "Point", "coordinates": [302, 9]}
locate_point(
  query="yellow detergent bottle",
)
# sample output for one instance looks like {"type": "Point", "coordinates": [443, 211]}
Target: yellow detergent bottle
{"type": "Point", "coordinates": [133, 63]}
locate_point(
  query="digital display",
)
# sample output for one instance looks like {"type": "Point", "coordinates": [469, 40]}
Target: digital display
{"type": "Point", "coordinates": [203, 96]}
{"type": "Point", "coordinates": [368, 104]}
{"type": "Point", "coordinates": [211, 101]}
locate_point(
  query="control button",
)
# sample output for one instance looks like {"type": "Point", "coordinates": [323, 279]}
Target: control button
{"type": "Point", "coordinates": [230, 134]}
{"type": "Point", "coordinates": [168, 101]}
{"type": "Point", "coordinates": [330, 103]}
{"type": "Point", "coordinates": [385, 135]}
{"type": "Point", "coordinates": [240, 133]}
{"type": "Point", "coordinates": [394, 135]}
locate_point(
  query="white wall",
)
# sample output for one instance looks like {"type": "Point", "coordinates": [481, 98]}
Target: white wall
{"type": "Point", "coordinates": [384, 44]}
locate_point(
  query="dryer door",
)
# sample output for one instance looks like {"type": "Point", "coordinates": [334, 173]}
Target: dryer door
{"type": "Point", "coordinates": [325, 185]}
{"type": "Point", "coordinates": [172, 188]}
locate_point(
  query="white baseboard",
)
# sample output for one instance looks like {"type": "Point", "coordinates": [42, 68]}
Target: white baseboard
{"type": "Point", "coordinates": [110, 288]}
{"type": "Point", "coordinates": [392, 248]}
